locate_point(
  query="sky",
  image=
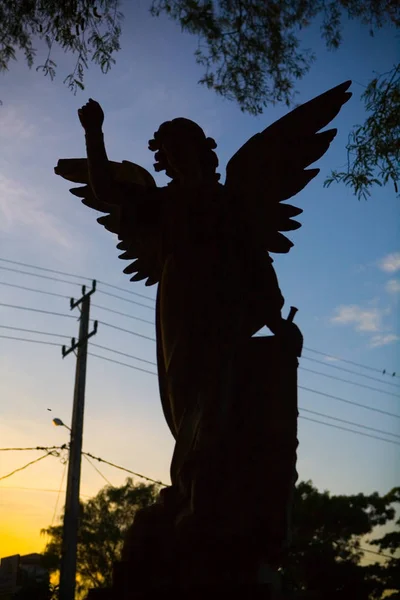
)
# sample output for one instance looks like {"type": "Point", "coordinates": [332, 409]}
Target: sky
{"type": "Point", "coordinates": [343, 275]}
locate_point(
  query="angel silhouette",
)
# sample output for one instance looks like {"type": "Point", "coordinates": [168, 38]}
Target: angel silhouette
{"type": "Point", "coordinates": [207, 246]}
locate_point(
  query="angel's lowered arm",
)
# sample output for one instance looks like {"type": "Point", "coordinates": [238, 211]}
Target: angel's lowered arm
{"type": "Point", "coordinates": [101, 180]}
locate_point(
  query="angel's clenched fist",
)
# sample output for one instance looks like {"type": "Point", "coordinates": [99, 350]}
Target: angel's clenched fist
{"type": "Point", "coordinates": [91, 116]}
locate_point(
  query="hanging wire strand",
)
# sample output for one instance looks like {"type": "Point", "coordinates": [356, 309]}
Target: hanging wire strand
{"type": "Point", "coordinates": [28, 289]}
{"type": "Point", "coordinates": [45, 448]}
{"type": "Point", "coordinates": [117, 312]}
{"type": "Point", "coordinates": [10, 337]}
{"type": "Point", "coordinates": [27, 465]}
{"type": "Point", "coordinates": [106, 462]}
{"type": "Point", "coordinates": [125, 299]}
{"type": "Point", "coordinates": [35, 331]}
{"type": "Point", "coordinates": [350, 430]}
{"type": "Point", "coordinates": [368, 387]}
{"type": "Point", "coordinates": [321, 362]}
{"type": "Point", "coordinates": [150, 362]}
{"type": "Point", "coordinates": [383, 412]}
{"type": "Point", "coordinates": [97, 470]}
{"type": "Point", "coordinates": [146, 337]}
{"type": "Point", "coordinates": [117, 362]}
{"type": "Point", "coordinates": [314, 412]}
{"type": "Point", "coordinates": [38, 310]}
{"type": "Point", "coordinates": [350, 362]}
{"type": "Point", "coordinates": [59, 494]}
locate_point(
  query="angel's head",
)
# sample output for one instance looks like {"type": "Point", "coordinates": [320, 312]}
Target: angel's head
{"type": "Point", "coordinates": [184, 152]}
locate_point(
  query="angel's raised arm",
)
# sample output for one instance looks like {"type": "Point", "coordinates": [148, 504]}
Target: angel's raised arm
{"type": "Point", "coordinates": [101, 178]}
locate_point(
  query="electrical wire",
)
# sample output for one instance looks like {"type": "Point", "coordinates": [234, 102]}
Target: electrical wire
{"type": "Point", "coordinates": [146, 337]}
{"type": "Point", "coordinates": [383, 412]}
{"type": "Point", "coordinates": [21, 264]}
{"type": "Point", "coordinates": [38, 310]}
{"type": "Point", "coordinates": [150, 362]}
{"type": "Point", "coordinates": [18, 263]}
{"type": "Point", "coordinates": [314, 412]}
{"type": "Point", "coordinates": [98, 470]}
{"type": "Point", "coordinates": [59, 493]}
{"type": "Point", "coordinates": [368, 387]}
{"type": "Point", "coordinates": [106, 462]}
{"type": "Point", "coordinates": [321, 362]}
{"type": "Point", "coordinates": [116, 287]}
{"type": "Point", "coordinates": [10, 337]}
{"type": "Point", "coordinates": [125, 299]}
{"type": "Point", "coordinates": [28, 289]}
{"type": "Point", "coordinates": [117, 362]}
{"type": "Point", "coordinates": [350, 430]}
{"type": "Point", "coordinates": [35, 331]}
{"type": "Point", "coordinates": [40, 276]}
{"type": "Point", "coordinates": [117, 312]}
{"type": "Point", "coordinates": [33, 489]}
{"type": "Point", "coordinates": [27, 465]}
{"type": "Point", "coordinates": [350, 362]}
{"type": "Point", "coordinates": [45, 448]}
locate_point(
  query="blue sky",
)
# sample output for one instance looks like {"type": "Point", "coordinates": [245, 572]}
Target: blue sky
{"type": "Point", "coordinates": [342, 274]}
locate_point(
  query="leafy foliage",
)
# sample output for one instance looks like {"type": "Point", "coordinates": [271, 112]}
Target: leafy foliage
{"type": "Point", "coordinates": [250, 51]}
{"type": "Point", "coordinates": [326, 549]}
{"type": "Point", "coordinates": [89, 29]}
{"type": "Point", "coordinates": [373, 149]}
{"type": "Point", "coordinates": [103, 524]}
{"type": "Point", "coordinates": [252, 54]}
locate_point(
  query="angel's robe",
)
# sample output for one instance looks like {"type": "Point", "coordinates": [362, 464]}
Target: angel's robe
{"type": "Point", "coordinates": [216, 290]}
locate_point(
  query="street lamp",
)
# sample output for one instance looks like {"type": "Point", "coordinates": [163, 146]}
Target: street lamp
{"type": "Point", "coordinates": [58, 423]}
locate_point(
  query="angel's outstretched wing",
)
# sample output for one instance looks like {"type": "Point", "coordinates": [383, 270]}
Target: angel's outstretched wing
{"type": "Point", "coordinates": [271, 167]}
{"type": "Point", "coordinates": [129, 179]}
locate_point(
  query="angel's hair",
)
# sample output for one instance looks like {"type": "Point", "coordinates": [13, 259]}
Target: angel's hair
{"type": "Point", "coordinates": [184, 132]}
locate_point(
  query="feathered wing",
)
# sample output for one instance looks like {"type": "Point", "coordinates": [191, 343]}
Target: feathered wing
{"type": "Point", "coordinates": [271, 167]}
{"type": "Point", "coordinates": [129, 178]}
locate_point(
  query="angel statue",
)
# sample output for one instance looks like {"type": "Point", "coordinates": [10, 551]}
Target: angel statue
{"type": "Point", "coordinates": [229, 398]}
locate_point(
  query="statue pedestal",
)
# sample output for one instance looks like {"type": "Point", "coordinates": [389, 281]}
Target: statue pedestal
{"type": "Point", "coordinates": [234, 546]}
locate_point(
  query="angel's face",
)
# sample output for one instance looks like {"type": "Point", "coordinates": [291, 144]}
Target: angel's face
{"type": "Point", "coordinates": [184, 162]}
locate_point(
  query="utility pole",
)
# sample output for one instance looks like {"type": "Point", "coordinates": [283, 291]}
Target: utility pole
{"type": "Point", "coordinates": [71, 513]}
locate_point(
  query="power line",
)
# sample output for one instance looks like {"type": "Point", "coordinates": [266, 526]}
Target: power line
{"type": "Point", "coordinates": [35, 331]}
{"type": "Point", "coordinates": [116, 287]}
{"type": "Point", "coordinates": [320, 362]}
{"type": "Point", "coordinates": [117, 362]}
{"type": "Point", "coordinates": [382, 371]}
{"type": "Point", "coordinates": [39, 310]}
{"type": "Point", "coordinates": [368, 387]}
{"type": "Point", "coordinates": [146, 337]}
{"type": "Point", "coordinates": [45, 448]}
{"type": "Point", "coordinates": [314, 412]}
{"type": "Point", "coordinates": [28, 289]}
{"type": "Point", "coordinates": [21, 264]}
{"type": "Point", "coordinates": [351, 430]}
{"type": "Point", "coordinates": [59, 493]}
{"type": "Point", "coordinates": [98, 470]}
{"type": "Point", "coordinates": [117, 312]}
{"type": "Point", "coordinates": [10, 337]}
{"type": "Point", "coordinates": [383, 412]}
{"type": "Point", "coordinates": [26, 466]}
{"type": "Point", "coordinates": [33, 489]}
{"type": "Point", "coordinates": [106, 462]}
{"type": "Point", "coordinates": [126, 299]}
{"type": "Point", "coordinates": [150, 362]}
{"type": "Point", "coordinates": [350, 362]}
{"type": "Point", "coordinates": [38, 275]}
